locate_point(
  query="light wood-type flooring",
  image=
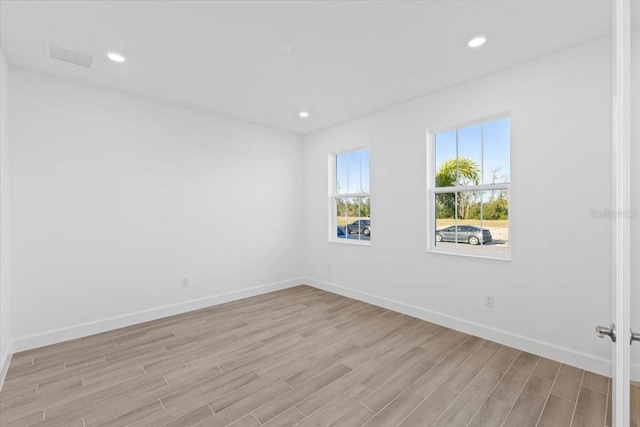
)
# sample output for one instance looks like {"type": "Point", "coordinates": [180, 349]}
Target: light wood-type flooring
{"type": "Point", "coordinates": [635, 404]}
{"type": "Point", "coordinates": [302, 357]}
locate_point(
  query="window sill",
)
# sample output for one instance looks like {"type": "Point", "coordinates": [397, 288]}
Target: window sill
{"type": "Point", "coordinates": [351, 242]}
{"type": "Point", "coordinates": [483, 255]}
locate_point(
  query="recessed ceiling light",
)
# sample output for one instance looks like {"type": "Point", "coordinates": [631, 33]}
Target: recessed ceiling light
{"type": "Point", "coordinates": [115, 57]}
{"type": "Point", "coordinates": [285, 47]}
{"type": "Point", "coordinates": [477, 41]}
{"type": "Point", "coordinates": [303, 114]}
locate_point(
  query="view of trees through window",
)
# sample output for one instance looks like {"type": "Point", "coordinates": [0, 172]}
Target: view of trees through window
{"type": "Point", "coordinates": [472, 175]}
{"type": "Point", "coordinates": [352, 201]}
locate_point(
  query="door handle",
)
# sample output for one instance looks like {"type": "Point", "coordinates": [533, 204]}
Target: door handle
{"type": "Point", "coordinates": [634, 337]}
{"type": "Point", "coordinates": [601, 331]}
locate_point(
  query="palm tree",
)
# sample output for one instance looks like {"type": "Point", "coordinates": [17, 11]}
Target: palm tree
{"type": "Point", "coordinates": [452, 172]}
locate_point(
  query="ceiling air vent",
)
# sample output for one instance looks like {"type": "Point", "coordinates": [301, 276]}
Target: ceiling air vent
{"type": "Point", "coordinates": [72, 56]}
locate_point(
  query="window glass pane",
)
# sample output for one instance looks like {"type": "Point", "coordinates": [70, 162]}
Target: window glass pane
{"type": "Point", "coordinates": [365, 208]}
{"type": "Point", "coordinates": [353, 218]}
{"type": "Point", "coordinates": [445, 159]}
{"type": "Point", "coordinates": [348, 211]}
{"type": "Point", "coordinates": [354, 172]}
{"type": "Point", "coordinates": [495, 212]}
{"type": "Point", "coordinates": [445, 235]}
{"type": "Point", "coordinates": [468, 205]}
{"type": "Point", "coordinates": [365, 219]}
{"type": "Point", "coordinates": [341, 217]}
{"type": "Point", "coordinates": [497, 142]}
{"type": "Point", "coordinates": [469, 155]}
{"type": "Point", "coordinates": [342, 173]}
{"type": "Point", "coordinates": [472, 232]}
{"type": "Point", "coordinates": [364, 170]}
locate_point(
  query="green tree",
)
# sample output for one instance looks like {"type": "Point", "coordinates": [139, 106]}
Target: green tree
{"type": "Point", "coordinates": [464, 171]}
{"type": "Point", "coordinates": [452, 172]}
{"type": "Point", "coordinates": [498, 208]}
{"type": "Point", "coordinates": [365, 208]}
{"type": "Point", "coordinates": [353, 208]}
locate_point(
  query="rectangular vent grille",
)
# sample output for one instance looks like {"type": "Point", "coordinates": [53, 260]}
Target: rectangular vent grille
{"type": "Point", "coordinates": [72, 56]}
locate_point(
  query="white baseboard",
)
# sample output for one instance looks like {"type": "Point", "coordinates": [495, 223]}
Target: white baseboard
{"type": "Point", "coordinates": [98, 326]}
{"type": "Point", "coordinates": [4, 365]}
{"type": "Point", "coordinates": [544, 349]}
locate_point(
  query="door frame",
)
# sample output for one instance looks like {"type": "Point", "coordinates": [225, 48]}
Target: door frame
{"type": "Point", "coordinates": [621, 127]}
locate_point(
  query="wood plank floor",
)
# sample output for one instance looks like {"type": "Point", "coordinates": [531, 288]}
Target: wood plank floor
{"type": "Point", "coordinates": [635, 404]}
{"type": "Point", "coordinates": [300, 357]}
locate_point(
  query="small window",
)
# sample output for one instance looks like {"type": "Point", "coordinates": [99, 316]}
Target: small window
{"type": "Point", "coordinates": [351, 203]}
{"type": "Point", "coordinates": [469, 192]}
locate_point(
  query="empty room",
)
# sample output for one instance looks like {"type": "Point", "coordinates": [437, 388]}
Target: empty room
{"type": "Point", "coordinates": [320, 213]}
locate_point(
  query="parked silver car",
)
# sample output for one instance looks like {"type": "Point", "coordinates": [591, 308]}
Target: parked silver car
{"type": "Point", "coordinates": [463, 234]}
{"type": "Point", "coordinates": [360, 226]}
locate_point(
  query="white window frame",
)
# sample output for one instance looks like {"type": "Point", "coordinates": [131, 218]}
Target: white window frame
{"type": "Point", "coordinates": [333, 197]}
{"type": "Point", "coordinates": [432, 190]}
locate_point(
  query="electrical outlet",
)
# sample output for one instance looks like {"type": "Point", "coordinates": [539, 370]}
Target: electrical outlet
{"type": "Point", "coordinates": [185, 282]}
{"type": "Point", "coordinates": [328, 267]}
{"type": "Point", "coordinates": [488, 301]}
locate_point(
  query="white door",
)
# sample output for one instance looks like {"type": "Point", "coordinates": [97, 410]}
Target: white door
{"type": "Point", "coordinates": [635, 211]}
{"type": "Point", "coordinates": [623, 215]}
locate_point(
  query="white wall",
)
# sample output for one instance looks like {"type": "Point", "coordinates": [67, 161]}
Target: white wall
{"type": "Point", "coordinates": [557, 286]}
{"type": "Point", "coordinates": [116, 198]}
{"type": "Point", "coordinates": [5, 273]}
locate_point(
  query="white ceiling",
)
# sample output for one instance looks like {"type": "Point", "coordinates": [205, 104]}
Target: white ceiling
{"type": "Point", "coordinates": [348, 58]}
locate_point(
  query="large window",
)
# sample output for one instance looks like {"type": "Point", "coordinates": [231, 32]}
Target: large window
{"type": "Point", "coordinates": [351, 204]}
{"type": "Point", "coordinates": [470, 179]}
